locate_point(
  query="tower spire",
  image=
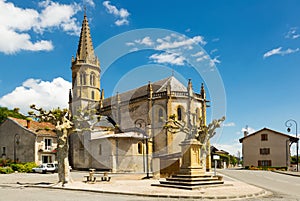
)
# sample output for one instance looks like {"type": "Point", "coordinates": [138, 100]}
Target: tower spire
{"type": "Point", "coordinates": [85, 71]}
{"type": "Point", "coordinates": [85, 51]}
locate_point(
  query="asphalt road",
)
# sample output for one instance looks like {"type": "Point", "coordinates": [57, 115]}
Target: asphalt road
{"type": "Point", "coordinates": [284, 187]}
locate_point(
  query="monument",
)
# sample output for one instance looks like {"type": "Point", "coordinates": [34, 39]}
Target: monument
{"type": "Point", "coordinates": [192, 175]}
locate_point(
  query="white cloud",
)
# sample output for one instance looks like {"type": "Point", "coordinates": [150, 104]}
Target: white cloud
{"type": "Point", "coordinates": [198, 54]}
{"type": "Point", "coordinates": [249, 129]}
{"type": "Point", "coordinates": [44, 94]}
{"type": "Point", "coordinates": [233, 148]}
{"type": "Point", "coordinates": [145, 41]}
{"type": "Point", "coordinates": [122, 14]}
{"type": "Point", "coordinates": [272, 52]}
{"type": "Point", "coordinates": [89, 2]}
{"type": "Point", "coordinates": [14, 18]}
{"type": "Point", "coordinates": [168, 58]}
{"type": "Point", "coordinates": [292, 33]}
{"type": "Point", "coordinates": [214, 61]}
{"type": "Point", "coordinates": [173, 45]}
{"type": "Point", "coordinates": [130, 44]}
{"type": "Point", "coordinates": [16, 23]}
{"type": "Point", "coordinates": [59, 16]}
{"type": "Point", "coordinates": [279, 51]}
{"type": "Point", "coordinates": [229, 124]}
{"type": "Point", "coordinates": [20, 41]}
{"type": "Point", "coordinates": [201, 58]}
{"type": "Point", "coordinates": [164, 44]}
{"type": "Point", "coordinates": [213, 51]}
{"type": "Point", "coordinates": [170, 42]}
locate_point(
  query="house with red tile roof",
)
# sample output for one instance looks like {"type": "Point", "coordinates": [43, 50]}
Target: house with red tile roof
{"type": "Point", "coordinates": [28, 141]}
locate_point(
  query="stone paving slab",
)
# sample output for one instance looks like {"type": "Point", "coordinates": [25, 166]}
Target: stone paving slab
{"type": "Point", "coordinates": [231, 190]}
{"type": "Point", "coordinates": [134, 185]}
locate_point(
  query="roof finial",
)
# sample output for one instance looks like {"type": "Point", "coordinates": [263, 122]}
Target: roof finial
{"type": "Point", "coordinates": [172, 72]}
{"type": "Point", "coordinates": [84, 10]}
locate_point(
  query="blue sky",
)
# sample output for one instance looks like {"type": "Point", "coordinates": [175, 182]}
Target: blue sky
{"type": "Point", "coordinates": [254, 45]}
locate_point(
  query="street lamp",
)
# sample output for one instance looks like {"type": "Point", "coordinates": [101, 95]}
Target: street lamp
{"type": "Point", "coordinates": [16, 142]}
{"type": "Point", "coordinates": [139, 124]}
{"type": "Point", "coordinates": [289, 124]}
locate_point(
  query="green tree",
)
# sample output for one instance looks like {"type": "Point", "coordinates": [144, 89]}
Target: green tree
{"type": "Point", "coordinates": [293, 159]}
{"type": "Point", "coordinates": [5, 112]}
{"type": "Point", "coordinates": [233, 160]}
{"type": "Point", "coordinates": [62, 120]}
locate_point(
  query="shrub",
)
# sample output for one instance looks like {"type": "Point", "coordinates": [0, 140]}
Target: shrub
{"type": "Point", "coordinates": [6, 170]}
{"type": "Point", "coordinates": [23, 167]}
{"type": "Point", "coordinates": [28, 166]}
{"type": "Point", "coordinates": [5, 162]}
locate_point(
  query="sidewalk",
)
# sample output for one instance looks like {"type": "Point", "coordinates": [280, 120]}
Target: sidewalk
{"type": "Point", "coordinates": [135, 185]}
{"type": "Point", "coordinates": [291, 173]}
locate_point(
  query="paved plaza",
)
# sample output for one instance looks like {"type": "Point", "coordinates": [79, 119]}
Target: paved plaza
{"type": "Point", "coordinates": [134, 184]}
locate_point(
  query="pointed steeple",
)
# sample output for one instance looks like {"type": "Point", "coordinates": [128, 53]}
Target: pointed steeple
{"type": "Point", "coordinates": [85, 51]}
{"type": "Point", "coordinates": [150, 89]}
{"type": "Point", "coordinates": [190, 87]}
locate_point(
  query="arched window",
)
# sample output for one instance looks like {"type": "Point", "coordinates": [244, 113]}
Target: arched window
{"type": "Point", "coordinates": [179, 114]}
{"type": "Point", "coordinates": [100, 149]}
{"type": "Point", "coordinates": [84, 78]}
{"type": "Point", "coordinates": [160, 115]}
{"type": "Point", "coordinates": [93, 95]}
{"type": "Point", "coordinates": [92, 79]}
{"type": "Point", "coordinates": [140, 147]}
{"type": "Point", "coordinates": [81, 78]}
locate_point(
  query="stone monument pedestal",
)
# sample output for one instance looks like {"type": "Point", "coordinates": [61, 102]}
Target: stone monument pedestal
{"type": "Point", "coordinates": [191, 174]}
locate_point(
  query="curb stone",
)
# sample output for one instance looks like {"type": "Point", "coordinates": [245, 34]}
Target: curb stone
{"type": "Point", "coordinates": [259, 194]}
{"type": "Point", "coordinates": [286, 173]}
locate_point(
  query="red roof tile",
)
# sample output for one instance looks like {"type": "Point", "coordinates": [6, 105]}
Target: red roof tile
{"type": "Point", "coordinates": [39, 128]}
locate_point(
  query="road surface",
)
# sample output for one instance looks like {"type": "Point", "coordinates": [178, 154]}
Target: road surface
{"type": "Point", "coordinates": [284, 187]}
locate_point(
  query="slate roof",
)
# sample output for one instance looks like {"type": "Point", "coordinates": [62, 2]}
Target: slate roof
{"type": "Point", "coordinates": [105, 122]}
{"type": "Point", "coordinates": [158, 86]}
{"type": "Point", "coordinates": [38, 128]}
{"type": "Point", "coordinates": [85, 50]}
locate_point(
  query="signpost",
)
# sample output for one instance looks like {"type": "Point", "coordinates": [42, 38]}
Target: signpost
{"type": "Point", "coordinates": [215, 158]}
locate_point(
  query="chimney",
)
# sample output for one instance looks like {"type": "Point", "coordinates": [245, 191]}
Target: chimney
{"type": "Point", "coordinates": [28, 123]}
{"type": "Point", "coordinates": [246, 131]}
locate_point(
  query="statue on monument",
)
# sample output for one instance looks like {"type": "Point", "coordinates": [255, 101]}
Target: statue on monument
{"type": "Point", "coordinates": [196, 133]}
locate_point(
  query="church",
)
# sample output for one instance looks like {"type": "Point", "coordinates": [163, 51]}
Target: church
{"type": "Point", "coordinates": [130, 135]}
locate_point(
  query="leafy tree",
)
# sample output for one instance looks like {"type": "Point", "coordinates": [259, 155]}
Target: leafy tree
{"type": "Point", "coordinates": [65, 125]}
{"type": "Point", "coordinates": [62, 120]}
{"type": "Point", "coordinates": [5, 112]}
{"type": "Point", "coordinates": [293, 159]}
{"type": "Point", "coordinates": [233, 160]}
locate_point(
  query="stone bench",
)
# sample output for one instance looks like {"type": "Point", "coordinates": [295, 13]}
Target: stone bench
{"type": "Point", "coordinates": [92, 177]}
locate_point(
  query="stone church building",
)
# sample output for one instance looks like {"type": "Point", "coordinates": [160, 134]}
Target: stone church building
{"type": "Point", "coordinates": [130, 136]}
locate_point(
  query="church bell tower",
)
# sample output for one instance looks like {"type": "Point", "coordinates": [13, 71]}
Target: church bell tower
{"type": "Point", "coordinates": [85, 73]}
